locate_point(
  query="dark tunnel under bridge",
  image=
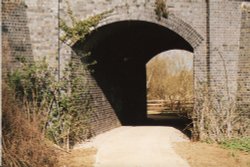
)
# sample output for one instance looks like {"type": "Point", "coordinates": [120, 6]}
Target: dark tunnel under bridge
{"type": "Point", "coordinates": [122, 50]}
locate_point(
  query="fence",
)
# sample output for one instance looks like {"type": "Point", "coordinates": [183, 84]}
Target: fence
{"type": "Point", "coordinates": [165, 106]}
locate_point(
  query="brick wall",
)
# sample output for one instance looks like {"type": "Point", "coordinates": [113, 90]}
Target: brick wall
{"type": "Point", "coordinates": [101, 117]}
{"type": "Point", "coordinates": [244, 61]}
{"type": "Point", "coordinates": [224, 46]}
{"type": "Point", "coordinates": [30, 30]}
{"type": "Point", "coordinates": [16, 42]}
{"type": "Point", "coordinates": [43, 26]}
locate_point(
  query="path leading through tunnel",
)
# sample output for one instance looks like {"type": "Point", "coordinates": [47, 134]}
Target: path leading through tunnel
{"type": "Point", "coordinates": [139, 146]}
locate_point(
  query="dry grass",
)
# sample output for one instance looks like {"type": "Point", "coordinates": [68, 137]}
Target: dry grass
{"type": "Point", "coordinates": [207, 155]}
{"type": "Point", "coordinates": [23, 143]}
{"type": "Point", "coordinates": [77, 158]}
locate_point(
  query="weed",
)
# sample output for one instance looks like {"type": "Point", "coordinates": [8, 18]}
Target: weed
{"type": "Point", "coordinates": [242, 144]}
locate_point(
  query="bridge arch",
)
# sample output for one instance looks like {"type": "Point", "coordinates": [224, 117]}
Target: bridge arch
{"type": "Point", "coordinates": [172, 22]}
{"type": "Point", "coordinates": [122, 44]}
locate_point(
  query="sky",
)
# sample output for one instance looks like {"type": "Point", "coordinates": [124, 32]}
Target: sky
{"type": "Point", "coordinates": [177, 55]}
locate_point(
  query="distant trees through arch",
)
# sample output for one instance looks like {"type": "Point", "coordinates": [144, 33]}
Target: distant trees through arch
{"type": "Point", "coordinates": [170, 79]}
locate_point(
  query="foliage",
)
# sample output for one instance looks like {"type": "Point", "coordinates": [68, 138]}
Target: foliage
{"type": "Point", "coordinates": [161, 9]}
{"type": "Point", "coordinates": [242, 144]}
{"type": "Point", "coordinates": [79, 29]}
{"type": "Point", "coordinates": [72, 110]}
{"type": "Point", "coordinates": [33, 86]}
{"type": "Point", "coordinates": [52, 103]}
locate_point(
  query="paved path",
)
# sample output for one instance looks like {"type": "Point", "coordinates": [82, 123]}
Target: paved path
{"type": "Point", "coordinates": [142, 146]}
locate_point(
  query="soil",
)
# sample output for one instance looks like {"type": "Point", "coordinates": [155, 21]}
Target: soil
{"type": "Point", "coordinates": [208, 155]}
{"type": "Point", "coordinates": [77, 158]}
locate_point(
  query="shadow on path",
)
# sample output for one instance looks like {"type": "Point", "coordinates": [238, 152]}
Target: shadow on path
{"type": "Point", "coordinates": [179, 122]}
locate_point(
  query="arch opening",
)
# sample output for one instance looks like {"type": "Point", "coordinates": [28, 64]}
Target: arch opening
{"type": "Point", "coordinates": [170, 89]}
{"type": "Point", "coordinates": [121, 50]}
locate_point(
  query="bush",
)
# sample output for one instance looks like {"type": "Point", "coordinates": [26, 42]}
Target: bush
{"type": "Point", "coordinates": [217, 116]}
{"type": "Point", "coordinates": [60, 108]}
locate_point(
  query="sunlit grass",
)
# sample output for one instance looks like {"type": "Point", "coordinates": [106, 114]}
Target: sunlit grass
{"type": "Point", "coordinates": [242, 144]}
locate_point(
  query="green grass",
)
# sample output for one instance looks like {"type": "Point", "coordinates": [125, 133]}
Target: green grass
{"type": "Point", "coordinates": [242, 144]}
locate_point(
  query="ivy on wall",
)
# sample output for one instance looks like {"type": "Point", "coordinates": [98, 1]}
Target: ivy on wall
{"type": "Point", "coordinates": [161, 9]}
{"type": "Point", "coordinates": [79, 28]}
{"type": "Point", "coordinates": [69, 121]}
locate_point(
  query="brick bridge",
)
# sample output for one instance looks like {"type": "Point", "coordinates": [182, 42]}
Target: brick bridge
{"type": "Point", "coordinates": [216, 31]}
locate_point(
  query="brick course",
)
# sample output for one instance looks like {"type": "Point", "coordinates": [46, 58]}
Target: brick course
{"type": "Point", "coordinates": [244, 61]}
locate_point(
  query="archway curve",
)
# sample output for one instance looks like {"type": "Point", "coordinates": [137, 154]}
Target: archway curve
{"type": "Point", "coordinates": [155, 38]}
{"type": "Point", "coordinates": [172, 22]}
{"type": "Point", "coordinates": [172, 50]}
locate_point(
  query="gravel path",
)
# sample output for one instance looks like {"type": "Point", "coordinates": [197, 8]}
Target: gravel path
{"type": "Point", "coordinates": [141, 146]}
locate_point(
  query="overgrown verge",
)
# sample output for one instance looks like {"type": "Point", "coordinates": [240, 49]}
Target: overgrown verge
{"type": "Point", "coordinates": [53, 104]}
{"type": "Point", "coordinates": [217, 117]}
{"type": "Point", "coordinates": [37, 106]}
{"type": "Point", "coordinates": [22, 141]}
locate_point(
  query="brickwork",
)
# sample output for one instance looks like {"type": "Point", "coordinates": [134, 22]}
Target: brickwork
{"type": "Point", "coordinates": [219, 40]}
{"type": "Point", "coordinates": [101, 118]}
{"type": "Point", "coordinates": [244, 61]}
{"type": "Point", "coordinates": [30, 30]}
{"type": "Point", "coordinates": [15, 35]}
{"type": "Point", "coordinates": [224, 46]}
{"type": "Point", "coordinates": [43, 26]}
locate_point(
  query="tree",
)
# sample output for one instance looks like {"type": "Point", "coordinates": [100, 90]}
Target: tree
{"type": "Point", "coordinates": [170, 78]}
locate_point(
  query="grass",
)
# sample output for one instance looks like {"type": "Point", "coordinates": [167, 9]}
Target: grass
{"type": "Point", "coordinates": [241, 144]}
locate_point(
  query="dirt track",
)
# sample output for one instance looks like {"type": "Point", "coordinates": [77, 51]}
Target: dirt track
{"type": "Point", "coordinates": [141, 146]}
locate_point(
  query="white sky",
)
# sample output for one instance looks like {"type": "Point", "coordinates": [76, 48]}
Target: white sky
{"type": "Point", "coordinates": [186, 56]}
